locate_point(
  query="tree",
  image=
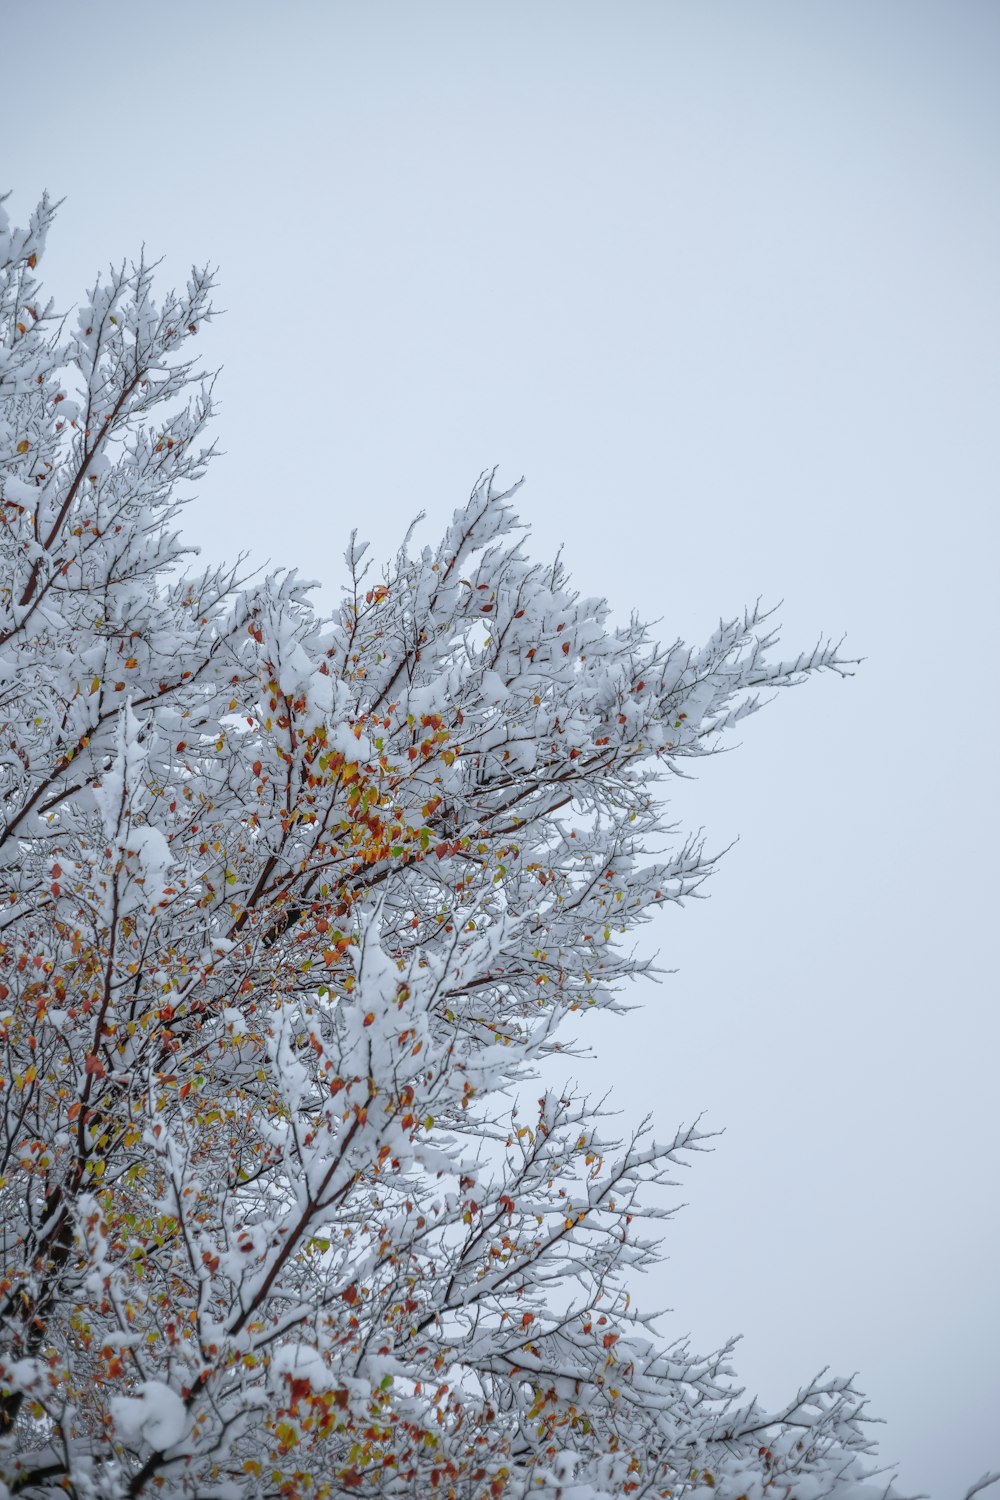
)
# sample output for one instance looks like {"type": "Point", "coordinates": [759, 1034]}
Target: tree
{"type": "Point", "coordinates": [293, 909]}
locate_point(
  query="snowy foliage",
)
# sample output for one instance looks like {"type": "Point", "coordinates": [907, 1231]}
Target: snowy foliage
{"type": "Point", "coordinates": [293, 911]}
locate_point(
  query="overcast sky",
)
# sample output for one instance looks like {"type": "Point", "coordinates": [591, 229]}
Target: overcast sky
{"type": "Point", "coordinates": [723, 280]}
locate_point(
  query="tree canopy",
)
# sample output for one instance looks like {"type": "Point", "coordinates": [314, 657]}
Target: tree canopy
{"type": "Point", "coordinates": [294, 911]}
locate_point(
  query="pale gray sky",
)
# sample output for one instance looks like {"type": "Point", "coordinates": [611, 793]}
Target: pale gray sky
{"type": "Point", "coordinates": [722, 280]}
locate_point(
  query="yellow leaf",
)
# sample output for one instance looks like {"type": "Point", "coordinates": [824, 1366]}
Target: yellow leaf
{"type": "Point", "coordinates": [23, 446]}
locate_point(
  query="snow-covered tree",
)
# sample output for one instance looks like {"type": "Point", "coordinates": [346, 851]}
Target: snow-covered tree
{"type": "Point", "coordinates": [294, 911]}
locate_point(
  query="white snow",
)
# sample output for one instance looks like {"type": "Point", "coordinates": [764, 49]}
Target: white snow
{"type": "Point", "coordinates": [155, 1416]}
